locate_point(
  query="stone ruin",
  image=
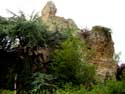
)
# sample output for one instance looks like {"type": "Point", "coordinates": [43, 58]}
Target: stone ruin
{"type": "Point", "coordinates": [53, 22]}
{"type": "Point", "coordinates": [98, 39]}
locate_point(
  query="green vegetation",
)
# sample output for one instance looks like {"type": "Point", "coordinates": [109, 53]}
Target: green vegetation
{"type": "Point", "coordinates": [66, 71]}
{"type": "Point", "coordinates": [112, 87]}
{"type": "Point", "coordinates": [100, 28]}
{"type": "Point", "coordinates": [69, 63]}
{"type": "Point", "coordinates": [6, 92]}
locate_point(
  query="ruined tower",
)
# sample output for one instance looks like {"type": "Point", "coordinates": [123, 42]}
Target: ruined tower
{"type": "Point", "coordinates": [53, 22]}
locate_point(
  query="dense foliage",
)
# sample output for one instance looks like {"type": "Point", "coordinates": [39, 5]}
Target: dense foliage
{"type": "Point", "coordinates": [69, 63]}
{"type": "Point", "coordinates": [66, 71]}
{"type": "Point", "coordinates": [20, 41]}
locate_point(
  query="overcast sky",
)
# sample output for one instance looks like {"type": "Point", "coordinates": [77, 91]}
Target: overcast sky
{"type": "Point", "coordinates": [86, 13]}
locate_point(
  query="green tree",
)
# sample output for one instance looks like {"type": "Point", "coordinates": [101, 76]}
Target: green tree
{"type": "Point", "coordinates": [70, 62]}
{"type": "Point", "coordinates": [31, 35]}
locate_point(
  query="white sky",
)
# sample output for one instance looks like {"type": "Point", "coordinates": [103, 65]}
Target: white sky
{"type": "Point", "coordinates": [86, 13]}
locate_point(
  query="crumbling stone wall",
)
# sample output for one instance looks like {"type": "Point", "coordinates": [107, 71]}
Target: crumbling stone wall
{"type": "Point", "coordinates": [99, 40]}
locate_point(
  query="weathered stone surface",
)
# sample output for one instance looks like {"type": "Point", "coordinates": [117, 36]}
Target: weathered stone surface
{"type": "Point", "coordinates": [49, 10]}
{"type": "Point", "coordinates": [99, 40]}
{"type": "Point", "coordinates": [55, 23]}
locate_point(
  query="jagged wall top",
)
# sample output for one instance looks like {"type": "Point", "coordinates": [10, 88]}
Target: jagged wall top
{"type": "Point", "coordinates": [99, 41]}
{"type": "Point", "coordinates": [54, 22]}
{"type": "Point", "coordinates": [49, 9]}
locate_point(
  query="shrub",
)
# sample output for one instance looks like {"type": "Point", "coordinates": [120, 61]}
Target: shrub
{"type": "Point", "coordinates": [115, 87]}
{"type": "Point", "coordinates": [69, 89]}
{"type": "Point", "coordinates": [40, 83]}
{"type": "Point", "coordinates": [98, 89]}
{"type": "Point", "coordinates": [112, 87]}
{"type": "Point", "coordinates": [6, 92]}
{"type": "Point", "coordinates": [69, 62]}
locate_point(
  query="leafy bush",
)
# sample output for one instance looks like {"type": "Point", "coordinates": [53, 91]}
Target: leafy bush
{"type": "Point", "coordinates": [69, 63]}
{"type": "Point", "coordinates": [39, 83]}
{"type": "Point", "coordinates": [112, 87]}
{"type": "Point", "coordinates": [6, 92]}
{"type": "Point", "coordinates": [97, 89]}
{"type": "Point", "coordinates": [115, 87]}
{"type": "Point", "coordinates": [30, 32]}
{"type": "Point", "coordinates": [69, 89]}
{"type": "Point", "coordinates": [42, 82]}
